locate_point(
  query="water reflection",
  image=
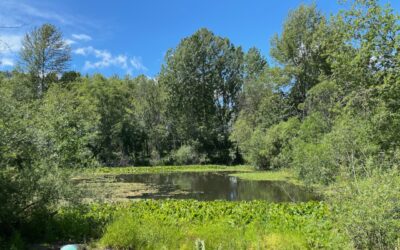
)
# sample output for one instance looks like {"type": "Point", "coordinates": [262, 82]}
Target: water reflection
{"type": "Point", "coordinates": [217, 186]}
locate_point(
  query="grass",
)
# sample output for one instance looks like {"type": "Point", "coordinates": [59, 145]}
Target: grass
{"type": "Point", "coordinates": [276, 175]}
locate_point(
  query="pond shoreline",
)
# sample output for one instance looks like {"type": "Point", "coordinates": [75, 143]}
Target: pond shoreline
{"type": "Point", "coordinates": [103, 223]}
{"type": "Point", "coordinates": [191, 182]}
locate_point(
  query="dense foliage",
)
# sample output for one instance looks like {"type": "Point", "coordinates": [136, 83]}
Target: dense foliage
{"type": "Point", "coordinates": [321, 116]}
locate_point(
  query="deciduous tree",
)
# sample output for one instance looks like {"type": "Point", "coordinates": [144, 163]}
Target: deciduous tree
{"type": "Point", "coordinates": [43, 52]}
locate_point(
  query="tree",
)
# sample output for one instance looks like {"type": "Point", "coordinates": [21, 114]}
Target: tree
{"type": "Point", "coordinates": [121, 134]}
{"type": "Point", "coordinates": [203, 77]}
{"type": "Point", "coordinates": [300, 52]}
{"type": "Point", "coordinates": [255, 63]}
{"type": "Point", "coordinates": [44, 52]}
{"type": "Point", "coordinates": [149, 101]}
{"type": "Point", "coordinates": [69, 77]}
{"type": "Point", "coordinates": [260, 108]}
{"type": "Point", "coordinates": [365, 47]}
{"type": "Point", "coordinates": [30, 179]}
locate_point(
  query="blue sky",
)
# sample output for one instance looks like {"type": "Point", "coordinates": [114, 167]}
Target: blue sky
{"type": "Point", "coordinates": [131, 37]}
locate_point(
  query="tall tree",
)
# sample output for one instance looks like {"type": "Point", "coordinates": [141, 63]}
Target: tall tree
{"type": "Point", "coordinates": [149, 101]}
{"type": "Point", "coordinates": [203, 77]}
{"type": "Point", "coordinates": [255, 63]}
{"type": "Point", "coordinates": [366, 44]}
{"type": "Point", "coordinates": [300, 52]}
{"type": "Point", "coordinates": [44, 52]}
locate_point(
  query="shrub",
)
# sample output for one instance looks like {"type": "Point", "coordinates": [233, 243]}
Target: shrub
{"type": "Point", "coordinates": [348, 149]}
{"type": "Point", "coordinates": [80, 223]}
{"type": "Point", "coordinates": [271, 149]}
{"type": "Point", "coordinates": [31, 181]}
{"type": "Point", "coordinates": [353, 145]}
{"type": "Point", "coordinates": [312, 156]}
{"type": "Point", "coordinates": [368, 210]}
{"type": "Point", "coordinates": [130, 232]}
{"type": "Point", "coordinates": [187, 154]}
{"type": "Point", "coordinates": [314, 162]}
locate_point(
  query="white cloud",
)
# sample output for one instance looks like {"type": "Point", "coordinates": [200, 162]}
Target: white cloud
{"type": "Point", "coordinates": [9, 47]}
{"type": "Point", "coordinates": [136, 62]}
{"type": "Point", "coordinates": [81, 37]}
{"type": "Point", "coordinates": [106, 59]}
{"type": "Point", "coordinates": [69, 41]}
{"type": "Point", "coordinates": [40, 13]}
{"type": "Point", "coordinates": [7, 62]}
{"type": "Point", "coordinates": [81, 51]}
{"type": "Point", "coordinates": [10, 43]}
{"type": "Point", "coordinates": [18, 13]}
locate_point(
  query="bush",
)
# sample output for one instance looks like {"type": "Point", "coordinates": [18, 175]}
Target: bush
{"type": "Point", "coordinates": [187, 155]}
{"type": "Point", "coordinates": [314, 162]}
{"type": "Point", "coordinates": [80, 223]}
{"type": "Point", "coordinates": [129, 232]}
{"type": "Point", "coordinates": [368, 210]}
{"type": "Point", "coordinates": [353, 145]}
{"type": "Point", "coordinates": [31, 181]}
{"type": "Point", "coordinates": [271, 149]}
{"type": "Point", "coordinates": [312, 156]}
{"type": "Point", "coordinates": [348, 149]}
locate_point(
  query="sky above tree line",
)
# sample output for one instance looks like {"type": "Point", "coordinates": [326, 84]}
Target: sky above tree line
{"type": "Point", "coordinates": [132, 37]}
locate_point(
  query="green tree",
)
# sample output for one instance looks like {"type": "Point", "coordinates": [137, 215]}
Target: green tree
{"type": "Point", "coordinates": [203, 77]}
{"type": "Point", "coordinates": [364, 47]}
{"type": "Point", "coordinates": [255, 63]}
{"type": "Point", "coordinates": [149, 100]}
{"type": "Point", "coordinates": [66, 125]}
{"type": "Point", "coordinates": [69, 76]}
{"type": "Point", "coordinates": [44, 52]}
{"type": "Point", "coordinates": [30, 180]}
{"type": "Point", "coordinates": [260, 108]}
{"type": "Point", "coordinates": [299, 50]}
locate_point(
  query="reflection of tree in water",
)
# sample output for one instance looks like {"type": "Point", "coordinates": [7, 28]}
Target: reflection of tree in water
{"type": "Point", "coordinates": [213, 186]}
{"type": "Point", "coordinates": [234, 186]}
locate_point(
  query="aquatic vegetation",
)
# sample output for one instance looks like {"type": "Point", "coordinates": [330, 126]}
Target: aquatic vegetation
{"type": "Point", "coordinates": [215, 185]}
{"type": "Point", "coordinates": [185, 224]}
{"type": "Point", "coordinates": [163, 169]}
{"type": "Point", "coordinates": [174, 224]}
{"type": "Point", "coordinates": [276, 175]}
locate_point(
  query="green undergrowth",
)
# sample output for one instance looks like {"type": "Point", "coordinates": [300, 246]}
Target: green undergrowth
{"type": "Point", "coordinates": [222, 225]}
{"type": "Point", "coordinates": [190, 224]}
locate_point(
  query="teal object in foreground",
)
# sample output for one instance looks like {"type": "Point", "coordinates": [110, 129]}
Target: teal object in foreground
{"type": "Point", "coordinates": [70, 247]}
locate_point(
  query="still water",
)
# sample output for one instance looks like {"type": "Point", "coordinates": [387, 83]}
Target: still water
{"type": "Point", "coordinates": [216, 186]}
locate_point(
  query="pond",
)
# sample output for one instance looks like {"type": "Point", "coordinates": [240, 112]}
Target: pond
{"type": "Point", "coordinates": [214, 186]}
